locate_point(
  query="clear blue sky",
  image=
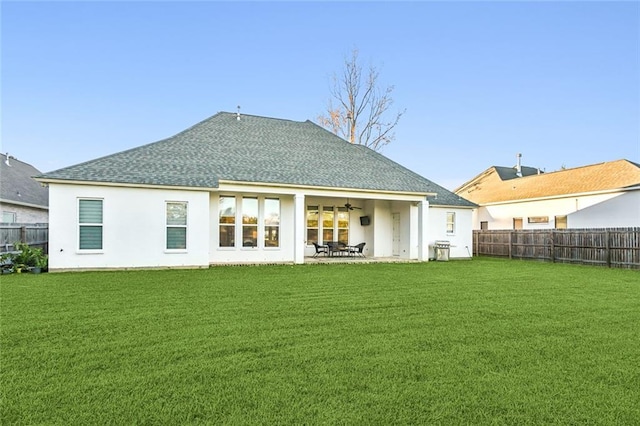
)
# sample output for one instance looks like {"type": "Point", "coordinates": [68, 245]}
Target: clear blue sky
{"type": "Point", "coordinates": [481, 81]}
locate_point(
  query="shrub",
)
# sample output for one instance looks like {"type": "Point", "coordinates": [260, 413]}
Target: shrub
{"type": "Point", "coordinates": [28, 257]}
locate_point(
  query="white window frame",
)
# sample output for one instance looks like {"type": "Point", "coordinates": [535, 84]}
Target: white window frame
{"type": "Point", "coordinates": [317, 227]}
{"type": "Point", "coordinates": [260, 225]}
{"type": "Point", "coordinates": [335, 228]}
{"type": "Point", "coordinates": [185, 226]}
{"type": "Point", "coordinates": [259, 243]}
{"type": "Point", "coordinates": [227, 225]}
{"type": "Point", "coordinates": [263, 220]}
{"type": "Point", "coordinates": [6, 214]}
{"type": "Point", "coordinates": [80, 225]}
{"type": "Point", "coordinates": [451, 223]}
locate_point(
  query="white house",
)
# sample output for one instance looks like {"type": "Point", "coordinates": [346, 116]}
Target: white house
{"type": "Point", "coordinates": [245, 189]}
{"type": "Point", "coordinates": [603, 195]}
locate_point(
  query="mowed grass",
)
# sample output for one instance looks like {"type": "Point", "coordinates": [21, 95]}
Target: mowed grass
{"type": "Point", "coordinates": [464, 342]}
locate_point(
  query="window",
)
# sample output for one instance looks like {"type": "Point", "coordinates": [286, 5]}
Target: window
{"type": "Point", "coordinates": [312, 224]}
{"type": "Point", "coordinates": [327, 223]}
{"type": "Point", "coordinates": [258, 219]}
{"type": "Point", "coordinates": [90, 224]}
{"type": "Point", "coordinates": [484, 226]}
{"type": "Point", "coordinates": [538, 219]}
{"type": "Point", "coordinates": [271, 222]}
{"type": "Point", "coordinates": [249, 222]}
{"type": "Point", "coordinates": [451, 222]}
{"type": "Point", "coordinates": [517, 223]}
{"type": "Point", "coordinates": [8, 217]}
{"type": "Point", "coordinates": [227, 218]}
{"type": "Point", "coordinates": [343, 225]}
{"type": "Point", "coordinates": [561, 222]}
{"type": "Point", "coordinates": [176, 226]}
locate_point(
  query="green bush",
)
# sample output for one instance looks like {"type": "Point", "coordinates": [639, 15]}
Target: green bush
{"type": "Point", "coordinates": [28, 257]}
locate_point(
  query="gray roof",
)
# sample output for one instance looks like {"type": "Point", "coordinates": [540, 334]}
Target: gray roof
{"type": "Point", "coordinates": [508, 173]}
{"type": "Point", "coordinates": [17, 184]}
{"type": "Point", "coordinates": [255, 149]}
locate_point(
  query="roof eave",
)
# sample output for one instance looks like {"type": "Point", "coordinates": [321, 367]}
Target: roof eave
{"type": "Point", "coordinates": [23, 204]}
{"type": "Point", "coordinates": [230, 182]}
{"type": "Point", "coordinates": [123, 184]}
{"type": "Point", "coordinates": [452, 206]}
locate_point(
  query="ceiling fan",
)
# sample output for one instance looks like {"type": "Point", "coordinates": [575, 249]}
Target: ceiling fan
{"type": "Point", "coordinates": [349, 206]}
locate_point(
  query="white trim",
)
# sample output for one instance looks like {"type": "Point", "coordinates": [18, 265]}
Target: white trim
{"type": "Point", "coordinates": [299, 227]}
{"type": "Point", "coordinates": [18, 203]}
{"type": "Point", "coordinates": [423, 231]}
{"type": "Point", "coordinates": [448, 206]}
{"type": "Point", "coordinates": [126, 185]}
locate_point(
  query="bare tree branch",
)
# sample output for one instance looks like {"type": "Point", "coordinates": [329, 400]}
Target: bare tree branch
{"type": "Point", "coordinates": [361, 107]}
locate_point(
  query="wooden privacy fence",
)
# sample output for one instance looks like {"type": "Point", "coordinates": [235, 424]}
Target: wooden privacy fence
{"type": "Point", "coordinates": [612, 247]}
{"type": "Point", "coordinates": [36, 235]}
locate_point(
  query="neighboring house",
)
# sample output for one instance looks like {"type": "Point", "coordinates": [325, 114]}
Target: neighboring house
{"type": "Point", "coordinates": [596, 196]}
{"type": "Point", "coordinates": [22, 199]}
{"type": "Point", "coordinates": [245, 189]}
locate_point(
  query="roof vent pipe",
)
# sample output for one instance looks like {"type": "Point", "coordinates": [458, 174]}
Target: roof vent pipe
{"type": "Point", "coordinates": [519, 165]}
{"type": "Point", "coordinates": [238, 114]}
{"type": "Point", "coordinates": [6, 161]}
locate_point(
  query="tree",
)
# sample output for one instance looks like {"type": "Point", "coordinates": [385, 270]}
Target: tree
{"type": "Point", "coordinates": [360, 115]}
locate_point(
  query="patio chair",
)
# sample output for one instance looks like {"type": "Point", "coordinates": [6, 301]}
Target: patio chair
{"type": "Point", "coordinates": [357, 249]}
{"type": "Point", "coordinates": [320, 249]}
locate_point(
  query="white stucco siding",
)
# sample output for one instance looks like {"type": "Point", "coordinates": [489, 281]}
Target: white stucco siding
{"type": "Point", "coordinates": [134, 228]}
{"type": "Point", "coordinates": [587, 211]}
{"type": "Point", "coordinates": [619, 211]}
{"type": "Point", "coordinates": [461, 239]}
{"type": "Point", "coordinates": [382, 229]}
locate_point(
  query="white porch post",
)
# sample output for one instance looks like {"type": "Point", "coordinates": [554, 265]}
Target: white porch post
{"type": "Point", "coordinates": [423, 231]}
{"type": "Point", "coordinates": [298, 231]}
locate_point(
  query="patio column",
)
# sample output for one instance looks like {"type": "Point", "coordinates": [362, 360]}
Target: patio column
{"type": "Point", "coordinates": [423, 231]}
{"type": "Point", "coordinates": [298, 228]}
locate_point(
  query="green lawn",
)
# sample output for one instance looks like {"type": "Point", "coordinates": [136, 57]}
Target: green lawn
{"type": "Point", "coordinates": [486, 341]}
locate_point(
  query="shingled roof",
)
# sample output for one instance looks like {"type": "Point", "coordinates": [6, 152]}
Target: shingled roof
{"type": "Point", "coordinates": [491, 187]}
{"type": "Point", "coordinates": [255, 149]}
{"type": "Point", "coordinates": [17, 185]}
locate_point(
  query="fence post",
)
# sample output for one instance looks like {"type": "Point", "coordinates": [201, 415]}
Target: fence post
{"type": "Point", "coordinates": [477, 253]}
{"type": "Point", "coordinates": [510, 249]}
{"type": "Point", "coordinates": [553, 247]}
{"type": "Point", "coordinates": [23, 234]}
{"type": "Point", "coordinates": [607, 236]}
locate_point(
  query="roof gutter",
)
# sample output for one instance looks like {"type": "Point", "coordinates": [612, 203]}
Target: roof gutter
{"type": "Point", "coordinates": [23, 204]}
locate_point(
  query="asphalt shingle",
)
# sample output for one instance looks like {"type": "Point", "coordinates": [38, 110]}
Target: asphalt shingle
{"type": "Point", "coordinates": [17, 184]}
{"type": "Point", "coordinates": [255, 149]}
{"type": "Point", "coordinates": [494, 185]}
